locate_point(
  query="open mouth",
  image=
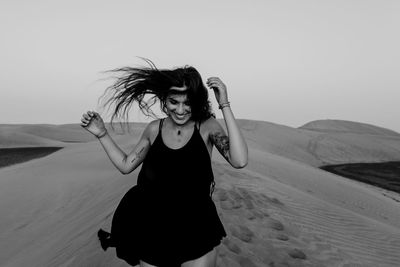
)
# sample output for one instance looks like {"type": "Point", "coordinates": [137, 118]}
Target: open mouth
{"type": "Point", "coordinates": [181, 117]}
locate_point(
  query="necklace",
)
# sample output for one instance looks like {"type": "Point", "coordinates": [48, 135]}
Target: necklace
{"type": "Point", "coordinates": [179, 129]}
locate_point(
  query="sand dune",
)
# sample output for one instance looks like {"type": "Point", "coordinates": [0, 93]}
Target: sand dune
{"type": "Point", "coordinates": [19, 135]}
{"type": "Point", "coordinates": [12, 138]}
{"type": "Point", "coordinates": [317, 148]}
{"type": "Point", "coordinates": [327, 233]}
{"type": "Point", "coordinates": [279, 211]}
{"type": "Point", "coordinates": [348, 127]}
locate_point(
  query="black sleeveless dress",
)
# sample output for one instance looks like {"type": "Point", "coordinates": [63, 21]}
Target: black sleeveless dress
{"type": "Point", "coordinates": [169, 217]}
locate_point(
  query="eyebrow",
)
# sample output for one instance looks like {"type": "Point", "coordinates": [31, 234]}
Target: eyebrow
{"type": "Point", "coordinates": [172, 98]}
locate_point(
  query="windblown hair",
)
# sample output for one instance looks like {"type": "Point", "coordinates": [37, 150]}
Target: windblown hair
{"type": "Point", "coordinates": [133, 84]}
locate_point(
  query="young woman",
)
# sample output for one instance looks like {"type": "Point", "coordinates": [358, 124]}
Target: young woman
{"type": "Point", "coordinates": [169, 218]}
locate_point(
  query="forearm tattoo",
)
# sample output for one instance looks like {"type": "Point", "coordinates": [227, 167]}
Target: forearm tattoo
{"type": "Point", "coordinates": [137, 155]}
{"type": "Point", "coordinates": [221, 142]}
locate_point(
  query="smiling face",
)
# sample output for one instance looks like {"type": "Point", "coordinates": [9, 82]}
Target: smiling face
{"type": "Point", "coordinates": [178, 106]}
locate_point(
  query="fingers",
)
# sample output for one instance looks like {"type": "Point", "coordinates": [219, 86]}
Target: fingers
{"type": "Point", "coordinates": [95, 114]}
{"type": "Point", "coordinates": [213, 82]}
{"type": "Point", "coordinates": [214, 79]}
{"type": "Point", "coordinates": [91, 114]}
{"type": "Point", "coordinates": [85, 122]}
{"type": "Point", "coordinates": [87, 118]}
{"type": "Point", "coordinates": [210, 83]}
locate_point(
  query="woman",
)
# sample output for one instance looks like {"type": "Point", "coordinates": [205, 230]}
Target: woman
{"type": "Point", "coordinates": [169, 218]}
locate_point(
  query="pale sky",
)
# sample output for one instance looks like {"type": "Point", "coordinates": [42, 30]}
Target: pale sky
{"type": "Point", "coordinates": [287, 62]}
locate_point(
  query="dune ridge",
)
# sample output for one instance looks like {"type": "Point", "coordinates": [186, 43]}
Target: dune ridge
{"type": "Point", "coordinates": [348, 127]}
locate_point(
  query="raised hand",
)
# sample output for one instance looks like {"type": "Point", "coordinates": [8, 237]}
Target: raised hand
{"type": "Point", "coordinates": [93, 123]}
{"type": "Point", "coordinates": [219, 88]}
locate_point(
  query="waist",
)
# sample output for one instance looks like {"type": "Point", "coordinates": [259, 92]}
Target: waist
{"type": "Point", "coordinates": [175, 179]}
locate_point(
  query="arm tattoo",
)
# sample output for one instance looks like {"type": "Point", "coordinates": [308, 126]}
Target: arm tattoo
{"type": "Point", "coordinates": [221, 142]}
{"type": "Point", "coordinates": [137, 155]}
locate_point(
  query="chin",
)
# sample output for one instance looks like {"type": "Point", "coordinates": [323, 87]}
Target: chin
{"type": "Point", "coordinates": [180, 121]}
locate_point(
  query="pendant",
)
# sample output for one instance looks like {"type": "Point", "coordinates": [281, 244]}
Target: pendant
{"type": "Point", "coordinates": [179, 132]}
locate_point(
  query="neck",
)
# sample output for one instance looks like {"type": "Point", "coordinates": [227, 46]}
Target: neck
{"type": "Point", "coordinates": [179, 128]}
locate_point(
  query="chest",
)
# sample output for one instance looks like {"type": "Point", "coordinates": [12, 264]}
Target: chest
{"type": "Point", "coordinates": [175, 141]}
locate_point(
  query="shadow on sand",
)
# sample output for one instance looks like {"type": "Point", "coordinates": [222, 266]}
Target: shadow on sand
{"type": "Point", "coordinates": [385, 175]}
{"type": "Point", "coordinates": [11, 156]}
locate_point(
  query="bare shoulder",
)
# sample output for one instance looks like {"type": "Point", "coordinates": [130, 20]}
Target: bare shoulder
{"type": "Point", "coordinates": [152, 126]}
{"type": "Point", "coordinates": [151, 130]}
{"type": "Point", "coordinates": [211, 125]}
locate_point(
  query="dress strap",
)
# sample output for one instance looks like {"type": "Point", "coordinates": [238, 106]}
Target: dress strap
{"type": "Point", "coordinates": [160, 125]}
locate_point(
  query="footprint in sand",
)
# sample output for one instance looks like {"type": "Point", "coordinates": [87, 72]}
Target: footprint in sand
{"type": "Point", "coordinates": [245, 262]}
{"type": "Point", "coordinates": [275, 224]}
{"type": "Point", "coordinates": [258, 214]}
{"type": "Point", "coordinates": [265, 213]}
{"type": "Point", "coordinates": [282, 237]}
{"type": "Point", "coordinates": [235, 195]}
{"type": "Point", "coordinates": [230, 204]}
{"type": "Point", "coordinates": [260, 202]}
{"type": "Point", "coordinates": [250, 216]}
{"type": "Point", "coordinates": [226, 205]}
{"type": "Point", "coordinates": [243, 233]}
{"type": "Point", "coordinates": [244, 196]}
{"type": "Point", "coordinates": [232, 246]}
{"type": "Point", "coordinates": [247, 198]}
{"type": "Point", "coordinates": [222, 195]}
{"type": "Point", "coordinates": [277, 201]}
{"type": "Point", "coordinates": [248, 203]}
{"type": "Point", "coordinates": [254, 214]}
{"type": "Point", "coordinates": [245, 193]}
{"type": "Point", "coordinates": [265, 200]}
{"type": "Point", "coordinates": [229, 199]}
{"type": "Point", "coordinates": [297, 254]}
{"type": "Point", "coordinates": [236, 205]}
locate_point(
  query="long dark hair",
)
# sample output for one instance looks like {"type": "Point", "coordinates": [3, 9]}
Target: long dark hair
{"type": "Point", "coordinates": [133, 84]}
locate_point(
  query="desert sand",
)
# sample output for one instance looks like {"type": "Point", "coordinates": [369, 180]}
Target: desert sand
{"type": "Point", "coordinates": [281, 210]}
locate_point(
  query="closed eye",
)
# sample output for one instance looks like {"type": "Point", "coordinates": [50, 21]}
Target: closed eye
{"type": "Point", "coordinates": [174, 102]}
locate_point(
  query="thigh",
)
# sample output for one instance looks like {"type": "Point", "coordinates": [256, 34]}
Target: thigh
{"type": "Point", "coordinates": [207, 260]}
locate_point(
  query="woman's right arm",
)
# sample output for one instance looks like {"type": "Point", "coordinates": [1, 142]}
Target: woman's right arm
{"type": "Point", "coordinates": [123, 162]}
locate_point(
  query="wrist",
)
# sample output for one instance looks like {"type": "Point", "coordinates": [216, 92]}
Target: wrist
{"type": "Point", "coordinates": [101, 134]}
{"type": "Point", "coordinates": [224, 105]}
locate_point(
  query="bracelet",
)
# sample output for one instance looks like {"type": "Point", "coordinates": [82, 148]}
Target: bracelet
{"type": "Point", "coordinates": [102, 135]}
{"type": "Point", "coordinates": [223, 105]}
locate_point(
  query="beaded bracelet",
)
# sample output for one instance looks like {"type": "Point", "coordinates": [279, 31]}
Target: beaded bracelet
{"type": "Point", "coordinates": [102, 135]}
{"type": "Point", "coordinates": [223, 105]}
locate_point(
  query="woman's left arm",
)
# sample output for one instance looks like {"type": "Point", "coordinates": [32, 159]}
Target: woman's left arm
{"type": "Point", "coordinates": [232, 147]}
